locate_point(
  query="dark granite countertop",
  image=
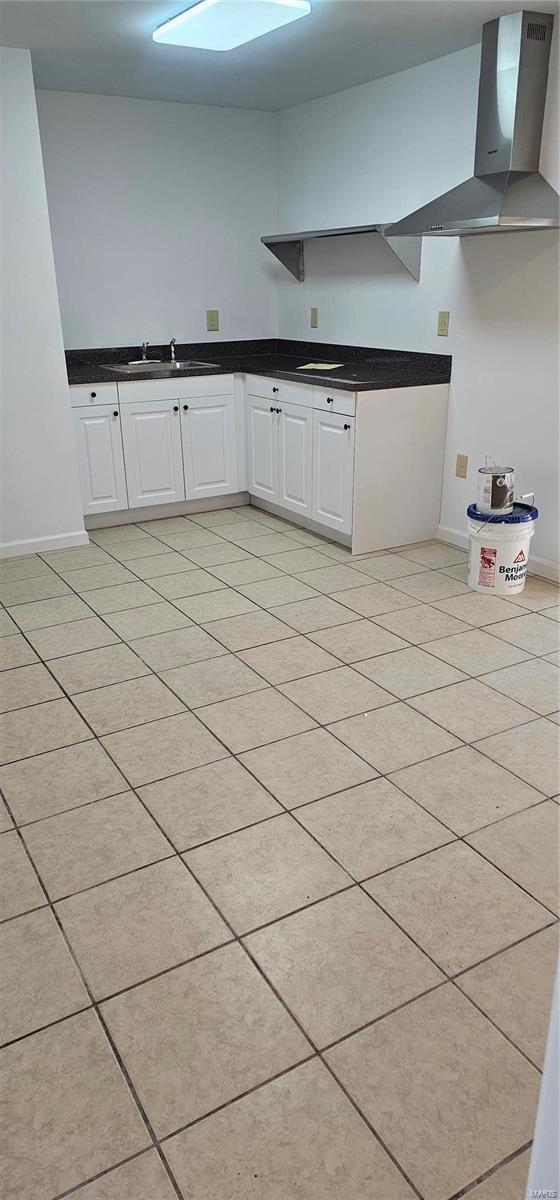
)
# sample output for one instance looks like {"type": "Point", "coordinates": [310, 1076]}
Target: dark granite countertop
{"type": "Point", "coordinates": [364, 368]}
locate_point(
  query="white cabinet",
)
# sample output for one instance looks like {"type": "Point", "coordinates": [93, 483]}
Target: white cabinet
{"type": "Point", "coordinates": [280, 453]}
{"type": "Point", "coordinates": [153, 454]}
{"type": "Point", "coordinates": [100, 458]}
{"type": "Point", "coordinates": [262, 449]}
{"type": "Point", "coordinates": [209, 446]}
{"type": "Point", "coordinates": [333, 470]}
{"type": "Point", "coordinates": [295, 457]}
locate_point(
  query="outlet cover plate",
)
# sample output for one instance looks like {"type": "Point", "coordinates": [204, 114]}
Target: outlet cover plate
{"type": "Point", "coordinates": [461, 466]}
{"type": "Point", "coordinates": [212, 320]}
{"type": "Point", "coordinates": [443, 324]}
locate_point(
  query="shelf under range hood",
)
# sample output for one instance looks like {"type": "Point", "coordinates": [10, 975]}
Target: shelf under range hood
{"type": "Point", "coordinates": [288, 247]}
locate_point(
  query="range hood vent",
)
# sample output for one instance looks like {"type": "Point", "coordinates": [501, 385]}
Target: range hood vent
{"type": "Point", "coordinates": [506, 192]}
{"type": "Point", "coordinates": [288, 247]}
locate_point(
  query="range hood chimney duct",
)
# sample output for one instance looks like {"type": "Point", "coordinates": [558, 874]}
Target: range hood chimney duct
{"type": "Point", "coordinates": [506, 192]}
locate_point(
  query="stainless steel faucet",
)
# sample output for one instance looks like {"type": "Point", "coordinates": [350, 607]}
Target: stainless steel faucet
{"type": "Point", "coordinates": [172, 348]}
{"type": "Point", "coordinates": [144, 349]}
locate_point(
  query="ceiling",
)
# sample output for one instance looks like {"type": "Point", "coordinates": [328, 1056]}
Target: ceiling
{"type": "Point", "coordinates": [105, 46]}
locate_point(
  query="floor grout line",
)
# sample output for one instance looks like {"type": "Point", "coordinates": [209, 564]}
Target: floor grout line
{"type": "Point", "coordinates": [488, 1174]}
{"type": "Point", "coordinates": [94, 1004]}
{"type": "Point", "coordinates": [283, 811]}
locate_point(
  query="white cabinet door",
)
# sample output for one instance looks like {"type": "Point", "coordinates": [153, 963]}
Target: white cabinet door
{"type": "Point", "coordinates": [100, 458]}
{"type": "Point", "coordinates": [262, 448]}
{"type": "Point", "coordinates": [152, 451]}
{"type": "Point", "coordinates": [295, 457]}
{"type": "Point", "coordinates": [209, 445]}
{"type": "Point", "coordinates": [333, 470]}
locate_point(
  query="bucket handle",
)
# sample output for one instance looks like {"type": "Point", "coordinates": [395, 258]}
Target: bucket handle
{"type": "Point", "coordinates": [528, 496]}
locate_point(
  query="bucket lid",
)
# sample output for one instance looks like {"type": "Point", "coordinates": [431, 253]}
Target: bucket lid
{"type": "Point", "coordinates": [495, 471]}
{"type": "Point", "coordinates": [520, 514]}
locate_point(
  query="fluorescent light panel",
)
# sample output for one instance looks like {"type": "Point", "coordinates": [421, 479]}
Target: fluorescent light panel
{"type": "Point", "coordinates": [225, 24]}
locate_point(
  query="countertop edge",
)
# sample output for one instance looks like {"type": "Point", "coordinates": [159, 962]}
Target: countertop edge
{"type": "Point", "coordinates": [412, 376]}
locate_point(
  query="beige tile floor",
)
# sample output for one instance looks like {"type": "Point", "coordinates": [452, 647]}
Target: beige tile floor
{"type": "Point", "coordinates": [278, 873]}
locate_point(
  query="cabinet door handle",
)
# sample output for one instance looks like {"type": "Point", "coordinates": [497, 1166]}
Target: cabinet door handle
{"type": "Point", "coordinates": [275, 390]}
{"type": "Point", "coordinates": [93, 395]}
{"type": "Point", "coordinates": [330, 399]}
{"type": "Point", "coordinates": [272, 409]}
{"type": "Point", "coordinates": [116, 412]}
{"type": "Point", "coordinates": [175, 408]}
{"type": "Point", "coordinates": [185, 408]}
{"type": "Point", "coordinates": [278, 410]}
{"type": "Point", "coordinates": [347, 426]}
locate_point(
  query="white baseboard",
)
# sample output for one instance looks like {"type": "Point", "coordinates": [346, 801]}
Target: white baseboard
{"type": "Point", "coordinates": [152, 512]}
{"type": "Point", "coordinates": [545, 567]}
{"type": "Point", "coordinates": [55, 541]}
{"type": "Point", "coordinates": [286, 514]}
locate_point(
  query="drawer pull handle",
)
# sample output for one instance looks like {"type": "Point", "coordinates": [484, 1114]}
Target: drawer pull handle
{"type": "Point", "coordinates": [347, 426]}
{"type": "Point", "coordinates": [185, 408]}
{"type": "Point", "coordinates": [116, 412]}
{"type": "Point", "coordinates": [330, 399]}
{"type": "Point", "coordinates": [275, 390]}
{"type": "Point", "coordinates": [93, 395]}
{"type": "Point", "coordinates": [175, 408]}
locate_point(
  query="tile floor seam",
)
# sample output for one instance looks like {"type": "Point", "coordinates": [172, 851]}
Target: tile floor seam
{"type": "Point", "coordinates": [502, 870]}
{"type": "Point", "coordinates": [255, 964]}
{"type": "Point", "coordinates": [455, 837]}
{"type": "Point", "coordinates": [320, 725]}
{"type": "Point", "coordinates": [261, 608]}
{"type": "Point", "coordinates": [257, 1087]}
{"type": "Point", "coordinates": [346, 1037]}
{"type": "Point", "coordinates": [433, 721]}
{"type": "Point", "coordinates": [497, 821]}
{"type": "Point", "coordinates": [130, 987]}
{"type": "Point", "coordinates": [100, 1175]}
{"type": "Point", "coordinates": [494, 1023]}
{"type": "Point", "coordinates": [450, 978]}
{"type": "Point", "coordinates": [94, 1006]}
{"type": "Point", "coordinates": [488, 1174]}
{"type": "Point", "coordinates": [238, 938]}
{"type": "Point", "coordinates": [22, 1037]}
{"type": "Point", "coordinates": [26, 911]}
{"type": "Point", "coordinates": [512, 946]}
{"type": "Point", "coordinates": [372, 1129]}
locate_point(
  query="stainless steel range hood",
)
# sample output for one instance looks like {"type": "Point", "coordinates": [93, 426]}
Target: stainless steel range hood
{"type": "Point", "coordinates": [506, 192]}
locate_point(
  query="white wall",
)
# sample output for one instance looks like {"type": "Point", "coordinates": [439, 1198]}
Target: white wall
{"type": "Point", "coordinates": [40, 505]}
{"type": "Point", "coordinates": [157, 210]}
{"type": "Point", "coordinates": [374, 153]}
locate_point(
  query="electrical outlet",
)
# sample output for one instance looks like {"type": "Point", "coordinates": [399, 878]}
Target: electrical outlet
{"type": "Point", "coordinates": [212, 320]}
{"type": "Point", "coordinates": [461, 466]}
{"type": "Point", "coordinates": [314, 322]}
{"type": "Point", "coordinates": [443, 324]}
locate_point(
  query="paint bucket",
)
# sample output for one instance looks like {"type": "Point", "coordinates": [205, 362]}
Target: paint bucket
{"type": "Point", "coordinates": [499, 549]}
{"type": "Point", "coordinates": [494, 489]}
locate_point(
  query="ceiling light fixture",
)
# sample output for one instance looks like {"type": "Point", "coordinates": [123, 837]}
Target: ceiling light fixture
{"type": "Point", "coordinates": [225, 24]}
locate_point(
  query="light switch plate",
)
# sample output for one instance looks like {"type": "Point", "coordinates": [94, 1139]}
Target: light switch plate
{"type": "Point", "coordinates": [443, 324]}
{"type": "Point", "coordinates": [212, 320]}
{"type": "Point", "coordinates": [461, 466]}
{"type": "Point", "coordinates": [314, 322]}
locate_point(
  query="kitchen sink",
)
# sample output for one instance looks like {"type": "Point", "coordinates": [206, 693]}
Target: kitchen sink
{"type": "Point", "coordinates": [155, 366]}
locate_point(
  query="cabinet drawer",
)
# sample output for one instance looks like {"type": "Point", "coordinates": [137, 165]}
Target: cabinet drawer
{"type": "Point", "coordinates": [84, 394]}
{"type": "Point", "coordinates": [280, 389]}
{"type": "Point", "coordinates": [334, 401]}
{"type": "Point", "coordinates": [171, 389]}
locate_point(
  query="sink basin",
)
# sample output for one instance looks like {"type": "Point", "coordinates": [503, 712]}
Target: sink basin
{"type": "Point", "coordinates": [155, 367]}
